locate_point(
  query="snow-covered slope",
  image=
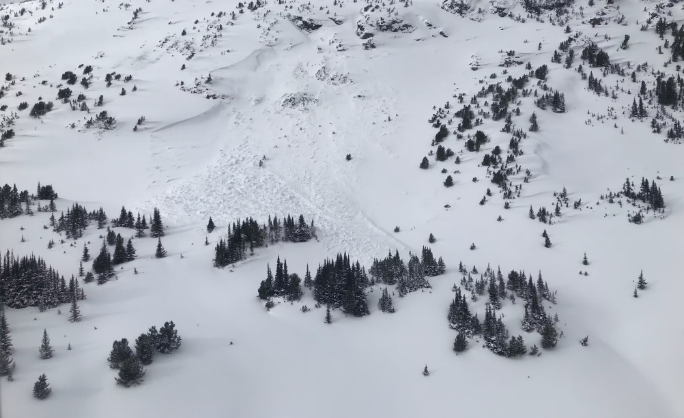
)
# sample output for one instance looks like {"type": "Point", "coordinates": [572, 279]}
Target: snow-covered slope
{"type": "Point", "coordinates": [268, 133]}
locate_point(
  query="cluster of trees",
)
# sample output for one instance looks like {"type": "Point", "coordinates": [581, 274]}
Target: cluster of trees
{"type": "Point", "coordinates": [75, 222]}
{"type": "Point", "coordinates": [130, 364]}
{"type": "Point", "coordinates": [339, 283]}
{"type": "Point", "coordinates": [647, 193]}
{"type": "Point", "coordinates": [544, 215]}
{"type": "Point", "coordinates": [29, 281]}
{"type": "Point", "coordinates": [11, 200]}
{"type": "Point", "coordinates": [555, 99]}
{"type": "Point", "coordinates": [283, 284]}
{"type": "Point", "coordinates": [595, 56]}
{"type": "Point", "coordinates": [101, 121]}
{"type": "Point", "coordinates": [408, 277]}
{"type": "Point", "coordinates": [40, 109]}
{"type": "Point", "coordinates": [103, 264]}
{"type": "Point", "coordinates": [248, 233]}
{"type": "Point", "coordinates": [492, 328]}
{"type": "Point", "coordinates": [638, 111]}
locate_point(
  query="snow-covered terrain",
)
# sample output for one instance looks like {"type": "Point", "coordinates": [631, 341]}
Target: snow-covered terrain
{"type": "Point", "coordinates": [254, 115]}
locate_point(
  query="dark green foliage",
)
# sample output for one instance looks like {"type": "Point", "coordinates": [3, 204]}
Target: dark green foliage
{"type": "Point", "coordinates": [516, 347]}
{"type": "Point", "coordinates": [549, 335]}
{"type": "Point", "coordinates": [449, 181]}
{"type": "Point", "coordinates": [160, 252]}
{"type": "Point", "coordinates": [425, 163]}
{"type": "Point", "coordinates": [5, 337]}
{"type": "Point", "coordinates": [460, 343]}
{"type": "Point", "coordinates": [41, 389]}
{"type": "Point", "coordinates": [210, 225]}
{"type": "Point", "coordinates": [119, 251]}
{"type": "Point", "coordinates": [102, 264]}
{"type": "Point", "coordinates": [167, 339]}
{"type": "Point", "coordinates": [45, 349]}
{"type": "Point", "coordinates": [585, 261]}
{"type": "Point", "coordinates": [641, 284]}
{"type": "Point", "coordinates": [385, 302]}
{"type": "Point", "coordinates": [130, 251]}
{"type": "Point", "coordinates": [340, 283]}
{"type": "Point", "coordinates": [120, 353]}
{"type": "Point", "coordinates": [131, 372]}
{"type": "Point", "coordinates": [156, 227]}
{"type": "Point", "coordinates": [328, 316]}
{"type": "Point", "coordinates": [248, 234]}
{"type": "Point", "coordinates": [7, 364]}
{"type": "Point", "coordinates": [294, 288]}
{"type": "Point", "coordinates": [145, 347]}
{"type": "Point", "coordinates": [40, 109]}
{"type": "Point", "coordinates": [89, 277]}
{"type": "Point", "coordinates": [28, 281]}
{"type": "Point", "coordinates": [595, 56]}
{"type": "Point", "coordinates": [74, 312]}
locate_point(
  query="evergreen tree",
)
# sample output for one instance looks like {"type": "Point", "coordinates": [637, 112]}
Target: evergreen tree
{"type": "Point", "coordinates": [161, 252]}
{"type": "Point", "coordinates": [585, 261]}
{"type": "Point", "coordinates": [119, 251]}
{"type": "Point", "coordinates": [131, 372]}
{"type": "Point", "coordinates": [102, 278]}
{"type": "Point", "coordinates": [145, 347]}
{"type": "Point", "coordinates": [547, 242]}
{"type": "Point", "coordinates": [210, 225]}
{"type": "Point", "coordinates": [448, 182]}
{"type": "Point", "coordinates": [89, 277]}
{"type": "Point", "coordinates": [636, 295]}
{"type": "Point", "coordinates": [425, 163]}
{"type": "Point", "coordinates": [549, 335]}
{"type": "Point", "coordinates": [7, 364]}
{"type": "Point", "coordinates": [531, 214]}
{"type": "Point", "coordinates": [294, 288]}
{"type": "Point", "coordinates": [5, 337]}
{"type": "Point", "coordinates": [426, 372]}
{"type": "Point", "coordinates": [41, 389]}
{"type": "Point", "coordinates": [168, 338]}
{"type": "Point", "coordinates": [461, 343]}
{"type": "Point", "coordinates": [641, 284]}
{"type": "Point", "coordinates": [139, 228]}
{"type": "Point", "coordinates": [86, 255]}
{"type": "Point", "coordinates": [516, 347]}
{"type": "Point", "coordinates": [81, 272]}
{"type": "Point", "coordinates": [156, 227]}
{"type": "Point", "coordinates": [120, 353]}
{"type": "Point", "coordinates": [74, 312]}
{"type": "Point", "coordinates": [308, 282]}
{"type": "Point", "coordinates": [328, 317]}
{"type": "Point", "coordinates": [534, 350]}
{"type": "Point", "coordinates": [130, 251]}
{"type": "Point", "coordinates": [103, 262]}
{"type": "Point", "coordinates": [45, 349]}
{"type": "Point", "coordinates": [385, 302]}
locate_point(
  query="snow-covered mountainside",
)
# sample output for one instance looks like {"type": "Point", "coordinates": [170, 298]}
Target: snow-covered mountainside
{"type": "Point", "coordinates": [519, 160]}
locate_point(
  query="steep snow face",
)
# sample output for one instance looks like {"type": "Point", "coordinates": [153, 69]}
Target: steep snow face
{"type": "Point", "coordinates": [254, 116]}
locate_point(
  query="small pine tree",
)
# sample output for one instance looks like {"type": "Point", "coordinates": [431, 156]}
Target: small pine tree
{"type": "Point", "coordinates": [549, 336]}
{"type": "Point", "coordinates": [41, 389]}
{"type": "Point", "coordinates": [461, 343]}
{"type": "Point", "coordinates": [448, 182]}
{"type": "Point", "coordinates": [89, 277]}
{"type": "Point", "coordinates": [168, 338]}
{"type": "Point", "coordinates": [426, 372]}
{"type": "Point", "coordinates": [74, 312]}
{"type": "Point", "coordinates": [6, 365]}
{"type": "Point", "coordinates": [130, 250]}
{"type": "Point", "coordinates": [120, 353]}
{"type": "Point", "coordinates": [157, 227]}
{"type": "Point", "coordinates": [328, 317]}
{"type": "Point", "coordinates": [585, 261]}
{"type": "Point", "coordinates": [534, 350]}
{"type": "Point", "coordinates": [86, 255]}
{"type": "Point", "coordinates": [81, 272]}
{"type": "Point", "coordinates": [585, 341]}
{"type": "Point", "coordinates": [210, 225]}
{"type": "Point", "coordinates": [161, 252]}
{"type": "Point", "coordinates": [5, 337]}
{"type": "Point", "coordinates": [547, 242]}
{"type": "Point", "coordinates": [45, 349]}
{"type": "Point", "coordinates": [145, 348]}
{"type": "Point", "coordinates": [431, 239]}
{"type": "Point", "coordinates": [641, 284]}
{"type": "Point", "coordinates": [425, 163]}
{"type": "Point", "coordinates": [131, 372]}
{"type": "Point", "coordinates": [636, 295]}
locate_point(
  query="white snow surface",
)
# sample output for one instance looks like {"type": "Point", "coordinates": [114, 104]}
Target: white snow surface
{"type": "Point", "coordinates": [305, 100]}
